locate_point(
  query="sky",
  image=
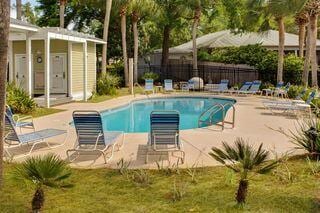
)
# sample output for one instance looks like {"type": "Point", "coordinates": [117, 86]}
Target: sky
{"type": "Point", "coordinates": [13, 13]}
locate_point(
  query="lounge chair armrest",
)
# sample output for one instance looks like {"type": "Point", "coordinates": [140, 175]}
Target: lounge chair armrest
{"type": "Point", "coordinates": [97, 140]}
{"type": "Point", "coordinates": [27, 117]}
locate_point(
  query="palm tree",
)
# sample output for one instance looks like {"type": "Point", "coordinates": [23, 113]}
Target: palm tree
{"type": "Point", "coordinates": [171, 11]}
{"type": "Point", "coordinates": [4, 37]}
{"type": "Point", "coordinates": [19, 9]}
{"type": "Point", "coordinates": [243, 159]}
{"type": "Point", "coordinates": [49, 171]}
{"type": "Point", "coordinates": [139, 9]}
{"type": "Point", "coordinates": [313, 9]}
{"type": "Point", "coordinates": [61, 10]}
{"type": "Point", "coordinates": [302, 20]}
{"type": "Point", "coordinates": [122, 6]}
{"type": "Point", "coordinates": [105, 35]}
{"type": "Point", "coordinates": [280, 10]}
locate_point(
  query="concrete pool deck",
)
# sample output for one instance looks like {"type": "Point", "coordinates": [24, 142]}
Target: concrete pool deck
{"type": "Point", "coordinates": [252, 122]}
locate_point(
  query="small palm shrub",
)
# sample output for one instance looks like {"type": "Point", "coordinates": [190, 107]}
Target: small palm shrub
{"type": "Point", "coordinates": [48, 171]}
{"type": "Point", "coordinates": [307, 137]}
{"type": "Point", "coordinates": [243, 159]}
{"type": "Point", "coordinates": [141, 177]}
{"type": "Point", "coordinates": [107, 84]}
{"type": "Point", "coordinates": [19, 100]}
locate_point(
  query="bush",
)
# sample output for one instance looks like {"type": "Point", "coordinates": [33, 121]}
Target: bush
{"type": "Point", "coordinates": [150, 75]}
{"type": "Point", "coordinates": [19, 100]}
{"type": "Point", "coordinates": [118, 70]}
{"type": "Point", "coordinates": [107, 84]}
{"type": "Point", "coordinates": [293, 67]}
{"type": "Point", "coordinates": [265, 61]}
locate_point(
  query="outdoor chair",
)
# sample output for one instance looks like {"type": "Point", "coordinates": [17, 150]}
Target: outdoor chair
{"type": "Point", "coordinates": [222, 87]}
{"type": "Point", "coordinates": [149, 86]}
{"type": "Point", "coordinates": [292, 106]}
{"type": "Point", "coordinates": [168, 85]}
{"type": "Point", "coordinates": [270, 91]}
{"type": "Point", "coordinates": [91, 136]}
{"type": "Point", "coordinates": [282, 92]}
{"type": "Point", "coordinates": [244, 87]}
{"type": "Point", "coordinates": [187, 86]}
{"type": "Point", "coordinates": [18, 121]}
{"type": "Point", "coordinates": [254, 88]}
{"type": "Point", "coordinates": [13, 139]}
{"type": "Point", "coordinates": [164, 133]}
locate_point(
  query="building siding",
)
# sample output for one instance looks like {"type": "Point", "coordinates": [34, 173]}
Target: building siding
{"type": "Point", "coordinates": [77, 68]}
{"type": "Point", "coordinates": [91, 67]}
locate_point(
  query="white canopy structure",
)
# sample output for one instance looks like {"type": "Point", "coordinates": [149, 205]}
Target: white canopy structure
{"type": "Point", "coordinates": [268, 39]}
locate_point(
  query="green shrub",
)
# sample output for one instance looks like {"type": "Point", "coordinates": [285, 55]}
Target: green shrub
{"type": "Point", "coordinates": [150, 75]}
{"type": "Point", "coordinates": [293, 67]}
{"type": "Point", "coordinates": [265, 61]}
{"type": "Point", "coordinates": [107, 84]}
{"type": "Point", "coordinates": [118, 70]}
{"type": "Point", "coordinates": [19, 100]}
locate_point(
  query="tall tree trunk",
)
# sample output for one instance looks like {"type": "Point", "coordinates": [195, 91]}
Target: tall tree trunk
{"type": "Point", "coordinates": [302, 37]}
{"type": "Point", "coordinates": [38, 200]}
{"type": "Point", "coordinates": [196, 21]}
{"type": "Point", "coordinates": [313, 50]}
{"type": "Point", "coordinates": [62, 9]}
{"type": "Point", "coordinates": [105, 35]}
{"type": "Point", "coordinates": [280, 21]}
{"type": "Point", "coordinates": [124, 45]}
{"type": "Point", "coordinates": [135, 49]}
{"type": "Point", "coordinates": [4, 37]}
{"type": "Point", "coordinates": [306, 66]}
{"type": "Point", "coordinates": [165, 48]}
{"type": "Point", "coordinates": [242, 191]}
{"type": "Point", "coordinates": [19, 9]}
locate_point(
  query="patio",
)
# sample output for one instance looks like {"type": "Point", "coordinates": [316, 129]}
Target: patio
{"type": "Point", "coordinates": [253, 122]}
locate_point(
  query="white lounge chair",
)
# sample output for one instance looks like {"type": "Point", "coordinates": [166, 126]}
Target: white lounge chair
{"type": "Point", "coordinates": [168, 85]}
{"type": "Point", "coordinates": [148, 87]}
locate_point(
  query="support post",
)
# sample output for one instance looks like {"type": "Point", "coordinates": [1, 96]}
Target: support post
{"type": "Point", "coordinates": [47, 70]}
{"type": "Point", "coordinates": [85, 71]}
{"type": "Point", "coordinates": [10, 57]}
{"type": "Point", "coordinates": [131, 76]}
{"type": "Point", "coordinates": [29, 66]}
{"type": "Point", "coordinates": [70, 69]}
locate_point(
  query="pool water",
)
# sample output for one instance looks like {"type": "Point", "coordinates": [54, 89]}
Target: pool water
{"type": "Point", "coordinates": [135, 117]}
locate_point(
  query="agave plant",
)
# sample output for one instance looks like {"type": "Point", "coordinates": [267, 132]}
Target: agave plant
{"type": "Point", "coordinates": [49, 171]}
{"type": "Point", "coordinates": [243, 159]}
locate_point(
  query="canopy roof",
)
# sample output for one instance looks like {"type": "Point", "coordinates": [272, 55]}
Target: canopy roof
{"type": "Point", "coordinates": [226, 38]}
{"type": "Point", "coordinates": [19, 28]}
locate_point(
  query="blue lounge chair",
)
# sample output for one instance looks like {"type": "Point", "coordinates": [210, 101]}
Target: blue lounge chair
{"type": "Point", "coordinates": [148, 87]}
{"type": "Point", "coordinates": [164, 133]}
{"type": "Point", "coordinates": [223, 86]}
{"type": "Point", "coordinates": [91, 136]}
{"type": "Point", "coordinates": [20, 122]}
{"type": "Point", "coordinates": [168, 85]}
{"type": "Point", "coordinates": [244, 87]}
{"type": "Point", "coordinates": [188, 86]}
{"type": "Point", "coordinates": [254, 89]}
{"type": "Point", "coordinates": [282, 92]}
{"type": "Point", "coordinates": [270, 92]}
{"type": "Point", "coordinates": [13, 139]}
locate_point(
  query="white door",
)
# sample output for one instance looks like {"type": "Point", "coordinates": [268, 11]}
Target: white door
{"type": "Point", "coordinates": [21, 70]}
{"type": "Point", "coordinates": [58, 70]}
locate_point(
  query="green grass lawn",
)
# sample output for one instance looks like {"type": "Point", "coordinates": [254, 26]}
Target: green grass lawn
{"type": "Point", "coordinates": [121, 92]}
{"type": "Point", "coordinates": [105, 190]}
{"type": "Point", "coordinates": [39, 112]}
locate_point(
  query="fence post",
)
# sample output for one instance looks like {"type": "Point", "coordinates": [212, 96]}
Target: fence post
{"type": "Point", "coordinates": [131, 76]}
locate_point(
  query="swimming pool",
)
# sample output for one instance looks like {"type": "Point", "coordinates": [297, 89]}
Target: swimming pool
{"type": "Point", "coordinates": [135, 117]}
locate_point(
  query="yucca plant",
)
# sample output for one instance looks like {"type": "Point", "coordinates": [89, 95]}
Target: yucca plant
{"type": "Point", "coordinates": [243, 159]}
{"type": "Point", "coordinates": [47, 171]}
{"type": "Point", "coordinates": [306, 136]}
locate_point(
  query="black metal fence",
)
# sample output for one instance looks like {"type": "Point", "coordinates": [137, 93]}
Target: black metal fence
{"type": "Point", "coordinates": [209, 73]}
